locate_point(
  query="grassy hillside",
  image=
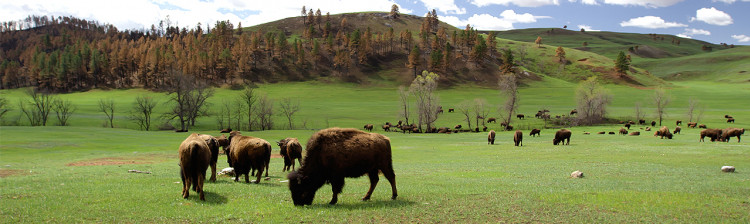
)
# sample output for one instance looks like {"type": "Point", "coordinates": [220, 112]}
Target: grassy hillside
{"type": "Point", "coordinates": [729, 65]}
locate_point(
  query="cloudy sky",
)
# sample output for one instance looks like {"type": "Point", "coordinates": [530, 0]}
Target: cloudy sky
{"type": "Point", "coordinates": [716, 21]}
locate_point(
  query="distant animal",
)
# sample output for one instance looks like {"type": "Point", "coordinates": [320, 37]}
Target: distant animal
{"type": "Point", "coordinates": [727, 116]}
{"type": "Point", "coordinates": [408, 128]}
{"type": "Point", "coordinates": [386, 127]}
{"type": "Point", "coordinates": [623, 131]}
{"type": "Point", "coordinates": [491, 137]}
{"type": "Point", "coordinates": [574, 111]}
{"type": "Point", "coordinates": [653, 123]}
{"type": "Point", "coordinates": [648, 128]}
{"type": "Point", "coordinates": [492, 120]}
{"type": "Point", "coordinates": [484, 128]}
{"type": "Point", "coordinates": [450, 110]}
{"type": "Point", "coordinates": [587, 133]}
{"type": "Point", "coordinates": [635, 133]}
{"type": "Point", "coordinates": [678, 122]}
{"type": "Point", "coordinates": [627, 126]}
{"type": "Point", "coordinates": [444, 130]}
{"type": "Point", "coordinates": [702, 126]}
{"type": "Point", "coordinates": [692, 124]}
{"type": "Point", "coordinates": [732, 132]}
{"type": "Point", "coordinates": [546, 116]}
{"type": "Point", "coordinates": [290, 149]}
{"type": "Point", "coordinates": [730, 120]}
{"type": "Point", "coordinates": [538, 114]}
{"type": "Point", "coordinates": [611, 132]}
{"type": "Point", "coordinates": [195, 157]}
{"type": "Point", "coordinates": [368, 127]}
{"type": "Point", "coordinates": [520, 116]}
{"type": "Point", "coordinates": [560, 136]}
{"type": "Point", "coordinates": [248, 153]}
{"type": "Point", "coordinates": [633, 122]}
{"type": "Point", "coordinates": [226, 130]}
{"type": "Point", "coordinates": [663, 132]}
{"type": "Point", "coordinates": [677, 130]}
{"type": "Point", "coordinates": [713, 134]}
{"type": "Point", "coordinates": [601, 133]}
{"type": "Point", "coordinates": [509, 127]}
{"type": "Point", "coordinates": [518, 138]}
{"type": "Point", "coordinates": [641, 121]}
{"type": "Point", "coordinates": [457, 127]}
{"type": "Point", "coordinates": [503, 124]}
{"type": "Point", "coordinates": [535, 132]}
{"type": "Point", "coordinates": [213, 147]}
{"type": "Point", "coordinates": [440, 109]}
{"type": "Point", "coordinates": [336, 153]}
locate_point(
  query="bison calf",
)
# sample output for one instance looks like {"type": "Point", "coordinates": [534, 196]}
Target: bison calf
{"type": "Point", "coordinates": [336, 153]}
{"type": "Point", "coordinates": [535, 132]}
{"type": "Point", "coordinates": [560, 136]}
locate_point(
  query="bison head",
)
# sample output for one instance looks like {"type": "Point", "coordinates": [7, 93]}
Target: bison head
{"type": "Point", "coordinates": [302, 190]}
{"type": "Point", "coordinates": [555, 141]}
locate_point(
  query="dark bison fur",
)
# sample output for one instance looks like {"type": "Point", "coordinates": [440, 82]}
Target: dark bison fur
{"type": "Point", "coordinates": [702, 126]}
{"type": "Point", "coordinates": [450, 110]}
{"type": "Point", "coordinates": [336, 153]}
{"type": "Point", "coordinates": [560, 136]}
{"type": "Point", "coordinates": [732, 132]}
{"type": "Point", "coordinates": [520, 116]}
{"type": "Point", "coordinates": [623, 131]}
{"type": "Point", "coordinates": [509, 127]}
{"type": "Point", "coordinates": [727, 116]}
{"type": "Point", "coordinates": [491, 137]}
{"type": "Point", "coordinates": [518, 138]}
{"type": "Point", "coordinates": [248, 153]}
{"type": "Point", "coordinates": [692, 124]}
{"type": "Point", "coordinates": [635, 133]}
{"type": "Point", "coordinates": [368, 127]}
{"type": "Point", "coordinates": [195, 157]}
{"type": "Point", "coordinates": [713, 134]}
{"type": "Point", "coordinates": [730, 120]}
{"type": "Point", "coordinates": [677, 130]}
{"type": "Point", "coordinates": [290, 149]}
{"type": "Point", "coordinates": [627, 126]}
{"type": "Point", "coordinates": [457, 127]}
{"type": "Point", "coordinates": [663, 132]}
{"type": "Point", "coordinates": [678, 122]}
{"type": "Point", "coordinates": [535, 132]}
{"type": "Point", "coordinates": [641, 121]}
{"type": "Point", "coordinates": [573, 112]}
{"type": "Point", "coordinates": [653, 123]}
{"type": "Point", "coordinates": [213, 147]}
{"type": "Point", "coordinates": [226, 130]}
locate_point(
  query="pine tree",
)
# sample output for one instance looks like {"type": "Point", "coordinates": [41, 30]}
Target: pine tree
{"type": "Point", "coordinates": [560, 54]}
{"type": "Point", "coordinates": [414, 59]}
{"type": "Point", "coordinates": [621, 64]}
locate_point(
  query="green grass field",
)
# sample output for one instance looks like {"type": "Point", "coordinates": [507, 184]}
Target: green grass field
{"type": "Point", "coordinates": [80, 173]}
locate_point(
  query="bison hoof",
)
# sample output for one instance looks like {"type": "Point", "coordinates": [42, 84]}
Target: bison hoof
{"type": "Point", "coordinates": [365, 199]}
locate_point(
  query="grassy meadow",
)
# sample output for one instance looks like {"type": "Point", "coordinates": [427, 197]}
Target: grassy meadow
{"type": "Point", "coordinates": [79, 173]}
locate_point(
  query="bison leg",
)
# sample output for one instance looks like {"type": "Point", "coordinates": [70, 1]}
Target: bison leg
{"type": "Point", "coordinates": [337, 184]}
{"type": "Point", "coordinates": [391, 177]}
{"type": "Point", "coordinates": [213, 172]}
{"type": "Point", "coordinates": [199, 188]}
{"type": "Point", "coordinates": [373, 182]}
{"type": "Point", "coordinates": [267, 162]}
{"type": "Point", "coordinates": [185, 184]}
{"type": "Point", "coordinates": [259, 175]}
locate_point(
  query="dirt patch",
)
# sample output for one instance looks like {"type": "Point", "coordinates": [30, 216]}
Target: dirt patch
{"type": "Point", "coordinates": [7, 172]}
{"type": "Point", "coordinates": [142, 159]}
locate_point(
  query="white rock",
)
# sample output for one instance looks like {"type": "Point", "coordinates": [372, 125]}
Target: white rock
{"type": "Point", "coordinates": [728, 169]}
{"type": "Point", "coordinates": [576, 174]}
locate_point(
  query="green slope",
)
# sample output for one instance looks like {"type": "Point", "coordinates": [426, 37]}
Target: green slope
{"type": "Point", "coordinates": [731, 65]}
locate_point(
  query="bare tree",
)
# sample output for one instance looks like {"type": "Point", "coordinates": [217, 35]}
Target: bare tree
{"type": "Point", "coordinates": [661, 99]}
{"type": "Point", "coordinates": [249, 99]}
{"type": "Point", "coordinates": [189, 97]}
{"type": "Point", "coordinates": [108, 108]}
{"type": "Point", "coordinates": [288, 109]}
{"type": "Point", "coordinates": [38, 108]}
{"type": "Point", "coordinates": [639, 114]}
{"type": "Point", "coordinates": [592, 101]}
{"type": "Point", "coordinates": [692, 103]}
{"type": "Point", "coordinates": [265, 112]}
{"type": "Point", "coordinates": [4, 107]}
{"type": "Point", "coordinates": [700, 113]}
{"type": "Point", "coordinates": [427, 102]}
{"type": "Point", "coordinates": [141, 112]}
{"type": "Point", "coordinates": [509, 89]}
{"type": "Point", "coordinates": [225, 113]}
{"type": "Point", "coordinates": [63, 109]}
{"type": "Point", "coordinates": [481, 110]}
{"type": "Point", "coordinates": [465, 109]}
{"type": "Point", "coordinates": [239, 109]}
{"type": "Point", "coordinates": [403, 96]}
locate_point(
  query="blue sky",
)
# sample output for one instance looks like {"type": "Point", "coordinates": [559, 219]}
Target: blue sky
{"type": "Point", "coordinates": [716, 21]}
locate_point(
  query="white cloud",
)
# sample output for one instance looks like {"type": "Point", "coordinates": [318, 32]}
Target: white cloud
{"type": "Point", "coordinates": [741, 38]}
{"type": "Point", "coordinates": [586, 2]}
{"type": "Point", "coordinates": [684, 36]}
{"type": "Point", "coordinates": [691, 32]}
{"type": "Point", "coordinates": [521, 3]}
{"type": "Point", "coordinates": [488, 22]}
{"type": "Point", "coordinates": [586, 27]}
{"type": "Point", "coordinates": [511, 16]}
{"type": "Point", "coordinates": [444, 6]}
{"type": "Point", "coordinates": [650, 22]}
{"type": "Point", "coordinates": [644, 3]}
{"type": "Point", "coordinates": [725, 1]}
{"type": "Point", "coordinates": [712, 16]}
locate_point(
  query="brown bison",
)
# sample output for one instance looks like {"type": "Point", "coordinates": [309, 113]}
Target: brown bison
{"type": "Point", "coordinates": [509, 127]}
{"type": "Point", "coordinates": [225, 130]}
{"type": "Point", "coordinates": [692, 124]}
{"type": "Point", "coordinates": [336, 153]}
{"type": "Point", "coordinates": [409, 128]}
{"type": "Point", "coordinates": [535, 132]}
{"type": "Point", "coordinates": [443, 130]}
{"type": "Point", "coordinates": [702, 126]}
{"type": "Point", "coordinates": [732, 132]}
{"type": "Point", "coordinates": [491, 137]}
{"type": "Point", "coordinates": [518, 138]}
{"type": "Point", "coordinates": [539, 114]}
{"type": "Point", "coordinates": [627, 126]}
{"type": "Point", "coordinates": [677, 130]}
{"type": "Point", "coordinates": [714, 134]}
{"type": "Point", "coordinates": [663, 132]}
{"type": "Point", "coordinates": [648, 128]}
{"type": "Point", "coordinates": [653, 123]}
{"type": "Point", "coordinates": [484, 128]}
{"type": "Point", "coordinates": [560, 136]}
{"type": "Point", "coordinates": [457, 127]}
{"type": "Point", "coordinates": [678, 122]}
{"type": "Point", "coordinates": [195, 157]}
{"type": "Point", "coordinates": [641, 121]}
{"type": "Point", "coordinates": [730, 120]}
{"type": "Point", "coordinates": [223, 142]}
{"type": "Point", "coordinates": [248, 153]}
{"type": "Point", "coordinates": [213, 147]}
{"type": "Point", "coordinates": [450, 110]}
{"type": "Point", "coordinates": [368, 127]}
{"type": "Point", "coordinates": [573, 112]}
{"type": "Point", "coordinates": [623, 131]}
{"type": "Point", "coordinates": [440, 109]}
{"type": "Point", "coordinates": [635, 133]}
{"type": "Point", "coordinates": [520, 116]}
{"type": "Point", "coordinates": [601, 133]}
{"type": "Point", "coordinates": [727, 116]}
{"type": "Point", "coordinates": [386, 127]}
{"type": "Point", "coordinates": [492, 120]}
{"type": "Point", "coordinates": [290, 149]}
{"type": "Point", "coordinates": [611, 133]}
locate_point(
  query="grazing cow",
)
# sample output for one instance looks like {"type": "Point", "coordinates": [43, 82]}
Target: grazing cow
{"type": "Point", "coordinates": [702, 126]}
{"type": "Point", "coordinates": [518, 138]}
{"type": "Point", "coordinates": [225, 130]}
{"type": "Point", "coordinates": [714, 134]}
{"type": "Point", "coordinates": [248, 153]}
{"type": "Point", "coordinates": [663, 132]}
{"type": "Point", "coordinates": [678, 122]}
{"type": "Point", "coordinates": [535, 132]}
{"type": "Point", "coordinates": [653, 123]}
{"type": "Point", "coordinates": [492, 120]}
{"type": "Point", "coordinates": [450, 110]}
{"type": "Point", "coordinates": [560, 136]}
{"type": "Point", "coordinates": [727, 116]}
{"type": "Point", "coordinates": [732, 132]}
{"type": "Point", "coordinates": [336, 153]}
{"type": "Point", "coordinates": [641, 121]}
{"type": "Point", "coordinates": [491, 137]}
{"type": "Point", "coordinates": [627, 126]}
{"type": "Point", "coordinates": [623, 131]}
{"type": "Point", "coordinates": [692, 124]}
{"type": "Point", "coordinates": [368, 127]}
{"type": "Point", "coordinates": [573, 112]}
{"type": "Point", "coordinates": [730, 120]}
{"type": "Point", "coordinates": [520, 116]}
{"type": "Point", "coordinates": [386, 127]}
{"type": "Point", "coordinates": [457, 127]}
{"type": "Point", "coordinates": [635, 133]}
{"type": "Point", "coordinates": [290, 149]}
{"type": "Point", "coordinates": [677, 130]}
{"type": "Point", "coordinates": [195, 157]}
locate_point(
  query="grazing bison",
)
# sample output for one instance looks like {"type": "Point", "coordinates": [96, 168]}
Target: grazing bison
{"type": "Point", "coordinates": [677, 130]}
{"type": "Point", "coordinates": [290, 149]}
{"type": "Point", "coordinates": [484, 128]}
{"type": "Point", "coordinates": [692, 124]}
{"type": "Point", "coordinates": [627, 126]}
{"type": "Point", "coordinates": [641, 121]}
{"type": "Point", "coordinates": [520, 116]}
{"type": "Point", "coordinates": [226, 130]}
{"type": "Point", "coordinates": [368, 127]}
{"type": "Point", "coordinates": [509, 127]}
{"type": "Point", "coordinates": [732, 132]}
{"type": "Point", "coordinates": [535, 132]}
{"type": "Point", "coordinates": [450, 110]}
{"type": "Point", "coordinates": [539, 114]}
{"type": "Point", "coordinates": [336, 153]}
{"type": "Point", "coordinates": [635, 133]}
{"type": "Point", "coordinates": [444, 130]}
{"type": "Point", "coordinates": [623, 131]}
{"type": "Point", "coordinates": [702, 126]}
{"type": "Point", "coordinates": [386, 127]}
{"type": "Point", "coordinates": [663, 132]}
{"type": "Point", "coordinates": [518, 138]}
{"type": "Point", "coordinates": [573, 112]}
{"type": "Point", "coordinates": [601, 133]}
{"type": "Point", "coordinates": [491, 137]}
{"type": "Point", "coordinates": [248, 153]}
{"type": "Point", "coordinates": [457, 127]}
{"type": "Point", "coordinates": [213, 147]}
{"type": "Point", "coordinates": [492, 120]}
{"type": "Point", "coordinates": [611, 133]}
{"type": "Point", "coordinates": [195, 157]}
{"type": "Point", "coordinates": [560, 136]}
{"type": "Point", "coordinates": [653, 123]}
{"type": "Point", "coordinates": [678, 122]}
{"type": "Point", "coordinates": [730, 120]}
{"type": "Point", "coordinates": [409, 128]}
{"type": "Point", "coordinates": [727, 116]}
{"type": "Point", "coordinates": [714, 134]}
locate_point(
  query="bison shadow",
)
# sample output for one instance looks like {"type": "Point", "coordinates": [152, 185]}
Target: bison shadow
{"type": "Point", "coordinates": [211, 198]}
{"type": "Point", "coordinates": [363, 205]}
